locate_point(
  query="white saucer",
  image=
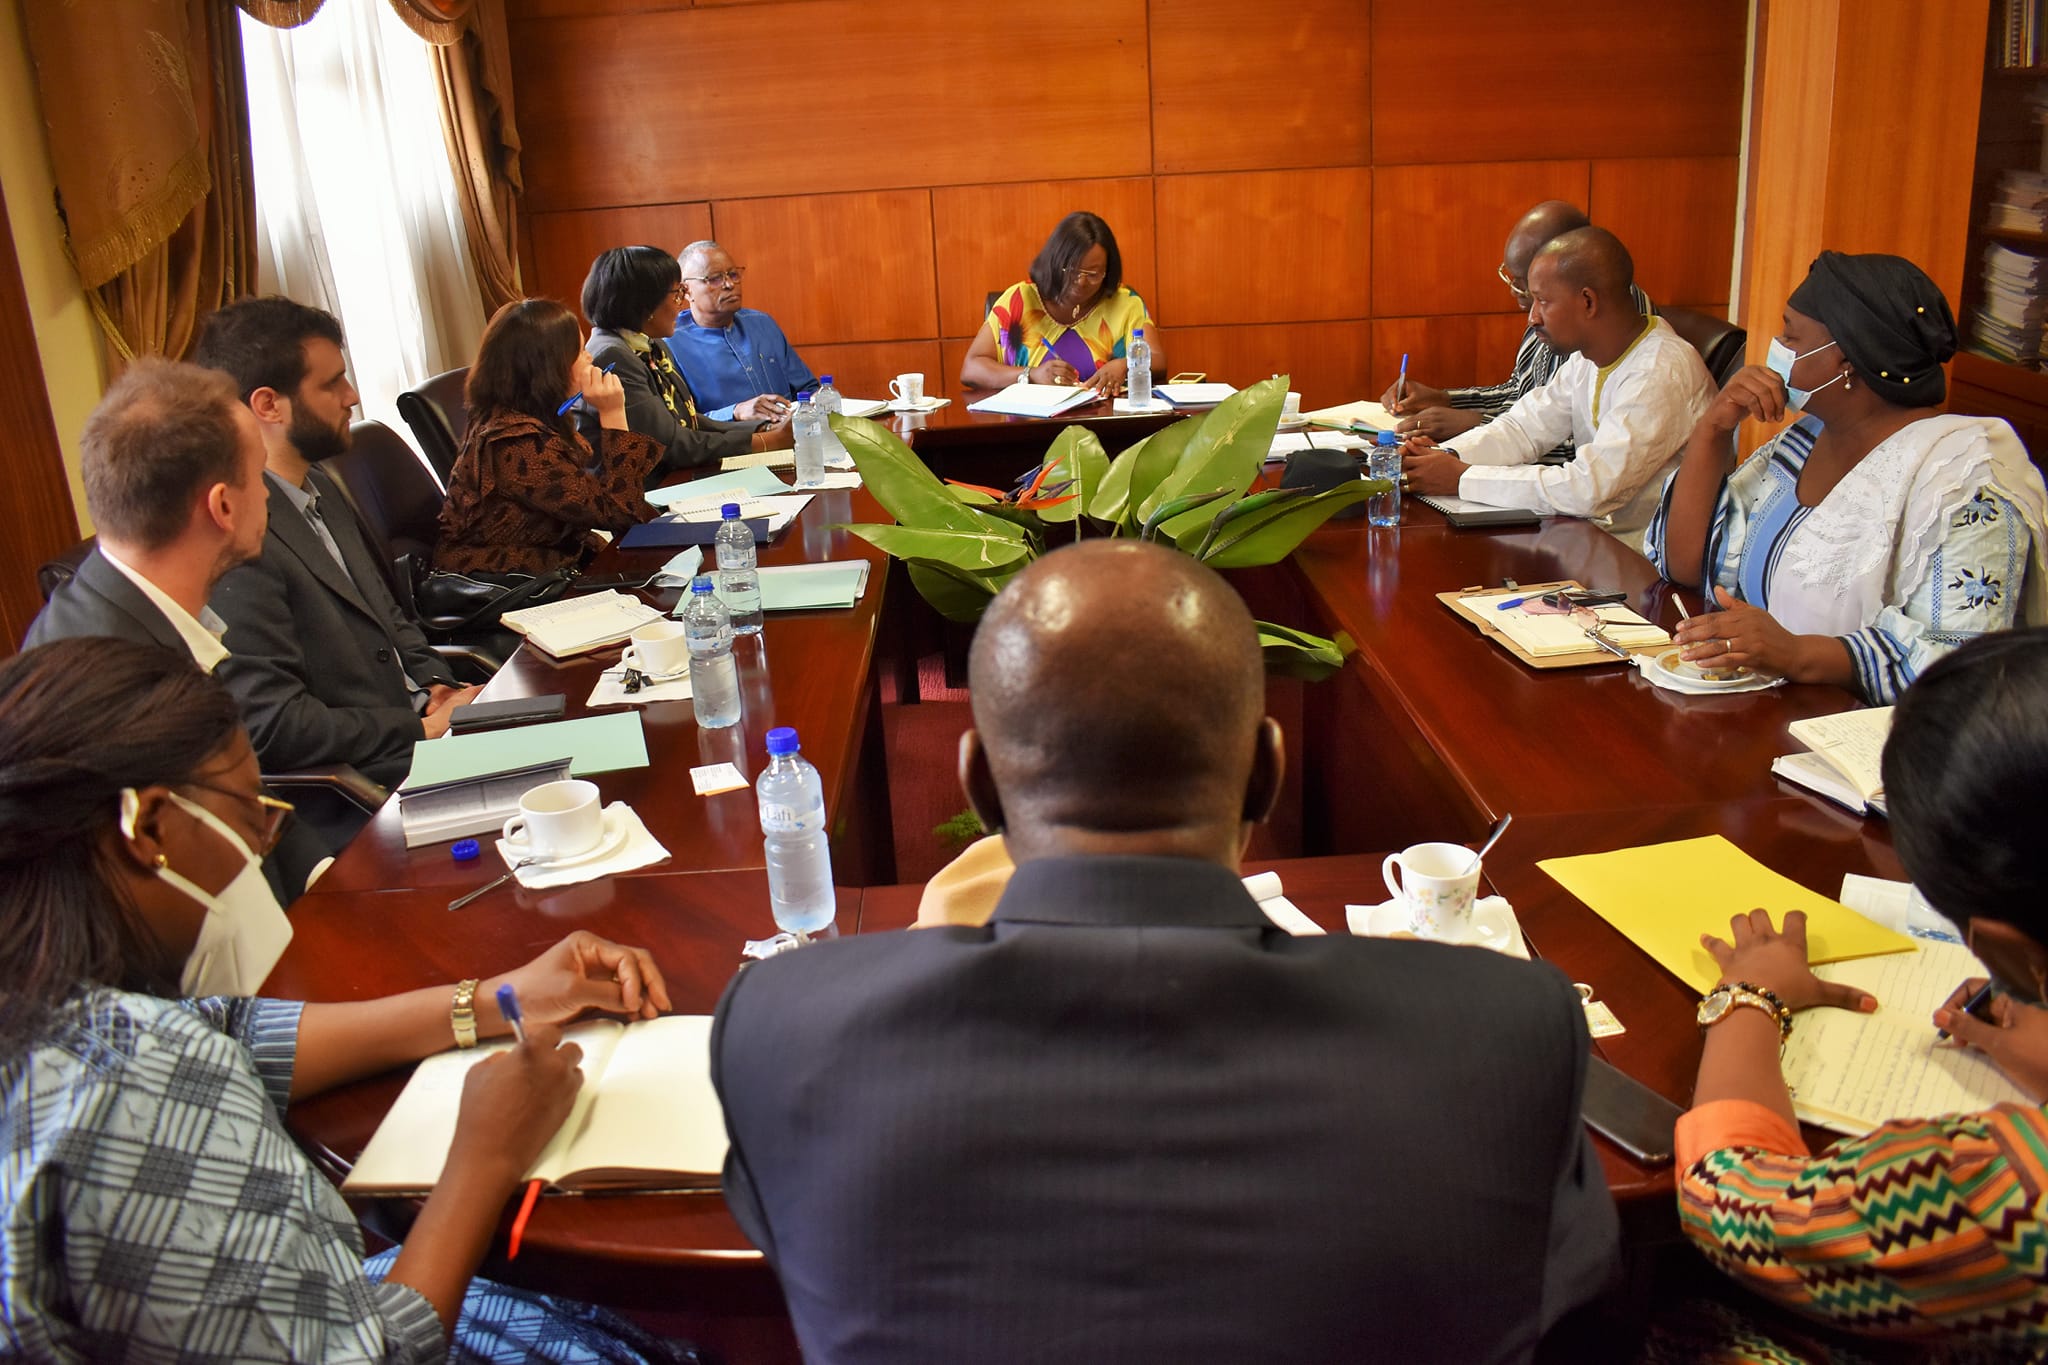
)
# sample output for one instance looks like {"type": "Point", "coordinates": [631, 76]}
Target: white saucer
{"type": "Point", "coordinates": [926, 404]}
{"type": "Point", "coordinates": [656, 679]}
{"type": "Point", "coordinates": [616, 830]}
{"type": "Point", "coordinates": [1493, 926]}
{"type": "Point", "coordinates": [1692, 674]}
{"type": "Point", "coordinates": [1295, 424]}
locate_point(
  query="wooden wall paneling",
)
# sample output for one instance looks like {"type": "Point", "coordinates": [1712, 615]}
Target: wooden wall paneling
{"type": "Point", "coordinates": [1606, 78]}
{"type": "Point", "coordinates": [1326, 361]}
{"type": "Point", "coordinates": [715, 103]}
{"type": "Point", "coordinates": [516, 10]}
{"type": "Point", "coordinates": [1264, 246]}
{"type": "Point", "coordinates": [561, 246]}
{"type": "Point", "coordinates": [1676, 215]}
{"type": "Point", "coordinates": [1437, 231]}
{"type": "Point", "coordinates": [37, 519]}
{"type": "Point", "coordinates": [1451, 351]}
{"type": "Point", "coordinates": [836, 267]}
{"type": "Point", "coordinates": [986, 236]}
{"type": "Point", "coordinates": [1286, 87]}
{"type": "Point", "coordinates": [864, 369]}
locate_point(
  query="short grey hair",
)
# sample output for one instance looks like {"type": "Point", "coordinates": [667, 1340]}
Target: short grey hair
{"type": "Point", "coordinates": [703, 248]}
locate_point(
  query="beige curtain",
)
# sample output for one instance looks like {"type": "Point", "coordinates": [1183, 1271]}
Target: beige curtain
{"type": "Point", "coordinates": [148, 131]}
{"type": "Point", "coordinates": [483, 142]}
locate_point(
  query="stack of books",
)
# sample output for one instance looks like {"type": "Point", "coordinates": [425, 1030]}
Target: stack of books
{"type": "Point", "coordinates": [2019, 33]}
{"type": "Point", "coordinates": [2012, 306]}
{"type": "Point", "coordinates": [2021, 204]}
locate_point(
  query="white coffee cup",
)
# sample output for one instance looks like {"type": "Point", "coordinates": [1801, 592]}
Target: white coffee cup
{"type": "Point", "coordinates": [907, 388]}
{"type": "Point", "coordinates": [659, 648]}
{"type": "Point", "coordinates": [1290, 407]}
{"type": "Point", "coordinates": [1437, 886]}
{"type": "Point", "coordinates": [558, 820]}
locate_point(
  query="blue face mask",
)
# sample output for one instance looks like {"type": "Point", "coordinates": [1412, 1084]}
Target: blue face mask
{"type": "Point", "coordinates": [1779, 359]}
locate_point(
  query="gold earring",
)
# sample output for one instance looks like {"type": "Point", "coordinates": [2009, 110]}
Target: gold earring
{"type": "Point", "coordinates": [162, 861]}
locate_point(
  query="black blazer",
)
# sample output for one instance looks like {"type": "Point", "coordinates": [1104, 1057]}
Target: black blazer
{"type": "Point", "coordinates": [1131, 1120]}
{"type": "Point", "coordinates": [687, 448]}
{"type": "Point", "coordinates": [315, 652]}
{"type": "Point", "coordinates": [100, 600]}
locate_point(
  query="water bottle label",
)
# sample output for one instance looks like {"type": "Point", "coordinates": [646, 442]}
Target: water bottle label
{"type": "Point", "coordinates": [777, 818]}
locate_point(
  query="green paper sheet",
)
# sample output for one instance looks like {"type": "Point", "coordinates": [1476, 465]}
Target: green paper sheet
{"type": "Point", "coordinates": [592, 744]}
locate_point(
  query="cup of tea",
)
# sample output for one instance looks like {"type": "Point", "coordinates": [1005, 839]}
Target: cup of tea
{"type": "Point", "coordinates": [558, 820]}
{"type": "Point", "coordinates": [660, 649]}
{"type": "Point", "coordinates": [1436, 888]}
{"type": "Point", "coordinates": [1290, 407]}
{"type": "Point", "coordinates": [907, 389]}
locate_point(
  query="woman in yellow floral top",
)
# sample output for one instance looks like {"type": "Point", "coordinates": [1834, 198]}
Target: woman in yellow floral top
{"type": "Point", "coordinates": [1070, 323]}
{"type": "Point", "coordinates": [1929, 1230]}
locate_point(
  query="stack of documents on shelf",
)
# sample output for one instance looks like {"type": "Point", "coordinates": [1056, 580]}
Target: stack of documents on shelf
{"type": "Point", "coordinates": [808, 587]}
{"type": "Point", "coordinates": [588, 744]}
{"type": "Point", "coordinates": [2013, 305]}
{"type": "Point", "coordinates": [646, 1117]}
{"type": "Point", "coordinates": [1347, 416]}
{"type": "Point", "coordinates": [481, 804]}
{"type": "Point", "coordinates": [1851, 1072]}
{"type": "Point", "coordinates": [577, 625]}
{"type": "Point", "coordinates": [1035, 400]}
{"type": "Point", "coordinates": [1662, 897]}
{"type": "Point", "coordinates": [1846, 764]}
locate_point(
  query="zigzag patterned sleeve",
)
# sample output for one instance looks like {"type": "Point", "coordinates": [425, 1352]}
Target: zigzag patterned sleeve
{"type": "Point", "coordinates": [1922, 1228]}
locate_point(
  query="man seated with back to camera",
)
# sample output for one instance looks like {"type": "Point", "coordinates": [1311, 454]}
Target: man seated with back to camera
{"type": "Point", "coordinates": [1130, 1119]}
{"type": "Point", "coordinates": [1627, 401]}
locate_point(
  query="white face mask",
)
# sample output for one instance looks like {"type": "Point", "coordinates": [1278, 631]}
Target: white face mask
{"type": "Point", "coordinates": [1779, 359]}
{"type": "Point", "coordinates": [245, 930]}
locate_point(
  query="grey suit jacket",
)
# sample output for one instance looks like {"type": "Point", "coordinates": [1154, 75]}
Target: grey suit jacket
{"type": "Point", "coordinates": [100, 600]}
{"type": "Point", "coordinates": [1131, 1120]}
{"type": "Point", "coordinates": [707, 444]}
{"type": "Point", "coordinates": [314, 656]}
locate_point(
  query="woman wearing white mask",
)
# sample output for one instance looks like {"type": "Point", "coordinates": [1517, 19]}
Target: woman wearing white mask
{"type": "Point", "coordinates": [1874, 534]}
{"type": "Point", "coordinates": [152, 1205]}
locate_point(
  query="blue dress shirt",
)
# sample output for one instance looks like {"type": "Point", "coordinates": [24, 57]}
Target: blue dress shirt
{"type": "Point", "coordinates": [728, 365]}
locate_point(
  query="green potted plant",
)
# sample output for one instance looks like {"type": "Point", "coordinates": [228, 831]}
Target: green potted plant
{"type": "Point", "coordinates": [1187, 485]}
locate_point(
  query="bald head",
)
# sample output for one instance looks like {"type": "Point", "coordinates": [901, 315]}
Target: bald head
{"type": "Point", "coordinates": [1535, 229]}
{"type": "Point", "coordinates": [1591, 258]}
{"type": "Point", "coordinates": [1118, 692]}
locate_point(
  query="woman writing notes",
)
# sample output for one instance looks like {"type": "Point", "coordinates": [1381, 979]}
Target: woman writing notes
{"type": "Point", "coordinates": [1875, 533]}
{"type": "Point", "coordinates": [1929, 1229]}
{"type": "Point", "coordinates": [155, 1208]}
{"type": "Point", "coordinates": [1070, 323]}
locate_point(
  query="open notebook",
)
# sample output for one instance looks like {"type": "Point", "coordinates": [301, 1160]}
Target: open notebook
{"type": "Point", "coordinates": [646, 1117]}
{"type": "Point", "coordinates": [1846, 764]}
{"type": "Point", "coordinates": [577, 625]}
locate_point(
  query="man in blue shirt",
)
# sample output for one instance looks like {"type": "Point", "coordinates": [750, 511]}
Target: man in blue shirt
{"type": "Point", "coordinates": [737, 361]}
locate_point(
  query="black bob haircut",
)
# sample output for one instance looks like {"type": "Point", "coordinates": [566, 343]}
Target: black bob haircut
{"type": "Point", "coordinates": [626, 285]}
{"type": "Point", "coordinates": [1061, 256]}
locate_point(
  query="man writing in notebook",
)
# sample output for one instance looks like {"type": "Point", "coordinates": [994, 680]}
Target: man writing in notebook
{"type": "Point", "coordinates": [1129, 1118]}
{"type": "Point", "coordinates": [326, 666]}
{"type": "Point", "coordinates": [1626, 401]}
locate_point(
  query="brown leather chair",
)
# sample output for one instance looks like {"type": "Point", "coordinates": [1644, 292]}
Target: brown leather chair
{"type": "Point", "coordinates": [1720, 342]}
{"type": "Point", "coordinates": [395, 496]}
{"type": "Point", "coordinates": [438, 413]}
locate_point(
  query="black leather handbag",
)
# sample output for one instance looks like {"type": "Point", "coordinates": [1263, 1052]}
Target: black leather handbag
{"type": "Point", "coordinates": [453, 604]}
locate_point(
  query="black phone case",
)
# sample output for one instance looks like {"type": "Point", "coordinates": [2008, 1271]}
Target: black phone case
{"type": "Point", "coordinates": [1629, 1114]}
{"type": "Point", "coordinates": [499, 715]}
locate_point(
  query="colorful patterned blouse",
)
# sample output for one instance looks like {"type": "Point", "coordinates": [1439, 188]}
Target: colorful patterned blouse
{"type": "Point", "coordinates": [1025, 333]}
{"type": "Point", "coordinates": [523, 497]}
{"type": "Point", "coordinates": [1927, 1229]}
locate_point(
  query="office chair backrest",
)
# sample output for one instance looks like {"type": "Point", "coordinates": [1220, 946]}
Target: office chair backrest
{"type": "Point", "coordinates": [1720, 342]}
{"type": "Point", "coordinates": [55, 573]}
{"type": "Point", "coordinates": [395, 494]}
{"type": "Point", "coordinates": [438, 413]}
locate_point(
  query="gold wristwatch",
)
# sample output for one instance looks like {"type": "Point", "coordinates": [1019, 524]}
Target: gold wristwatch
{"type": "Point", "coordinates": [462, 1015]}
{"type": "Point", "coordinates": [1722, 1001]}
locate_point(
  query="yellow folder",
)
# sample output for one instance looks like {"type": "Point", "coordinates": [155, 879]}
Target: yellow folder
{"type": "Point", "coordinates": [1664, 896]}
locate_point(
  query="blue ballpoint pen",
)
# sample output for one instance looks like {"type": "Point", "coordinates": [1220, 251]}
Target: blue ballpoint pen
{"type": "Point", "coordinates": [1976, 1002]}
{"type": "Point", "coordinates": [508, 1005]}
{"type": "Point", "coordinates": [1401, 384]}
{"type": "Point", "coordinates": [573, 399]}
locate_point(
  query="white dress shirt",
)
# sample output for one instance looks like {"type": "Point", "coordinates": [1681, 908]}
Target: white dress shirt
{"type": "Point", "coordinates": [1629, 421]}
{"type": "Point", "coordinates": [201, 633]}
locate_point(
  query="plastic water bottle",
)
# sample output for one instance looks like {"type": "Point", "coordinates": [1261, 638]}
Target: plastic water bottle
{"type": "Point", "coordinates": [828, 402]}
{"type": "Point", "coordinates": [714, 674]}
{"type": "Point", "coordinates": [1138, 375]}
{"type": "Point", "coordinates": [1384, 509]}
{"type": "Point", "coordinates": [739, 582]}
{"type": "Point", "coordinates": [793, 834]}
{"type": "Point", "coordinates": [806, 423]}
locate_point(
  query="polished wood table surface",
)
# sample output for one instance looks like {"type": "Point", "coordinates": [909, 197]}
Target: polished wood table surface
{"type": "Point", "coordinates": [993, 449]}
{"type": "Point", "coordinates": [808, 669]}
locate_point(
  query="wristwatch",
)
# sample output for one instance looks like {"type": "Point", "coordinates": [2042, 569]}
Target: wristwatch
{"type": "Point", "coordinates": [1722, 1001]}
{"type": "Point", "coordinates": [462, 1015]}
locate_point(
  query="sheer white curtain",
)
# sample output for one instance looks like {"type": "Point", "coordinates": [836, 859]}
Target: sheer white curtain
{"type": "Point", "coordinates": [355, 201]}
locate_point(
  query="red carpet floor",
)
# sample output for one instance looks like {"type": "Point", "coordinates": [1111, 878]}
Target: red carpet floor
{"type": "Point", "coordinates": [924, 791]}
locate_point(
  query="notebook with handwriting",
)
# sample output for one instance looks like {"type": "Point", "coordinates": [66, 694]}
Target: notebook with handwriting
{"type": "Point", "coordinates": [1846, 764]}
{"type": "Point", "coordinates": [646, 1117]}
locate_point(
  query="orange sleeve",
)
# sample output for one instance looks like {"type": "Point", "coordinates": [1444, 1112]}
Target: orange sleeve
{"type": "Point", "coordinates": [1717, 1124]}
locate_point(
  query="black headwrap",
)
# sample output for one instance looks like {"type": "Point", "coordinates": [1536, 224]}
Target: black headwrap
{"type": "Point", "coordinates": [1889, 319]}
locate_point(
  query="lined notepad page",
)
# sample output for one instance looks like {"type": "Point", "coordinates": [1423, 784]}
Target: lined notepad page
{"type": "Point", "coordinates": [1853, 741]}
{"type": "Point", "coordinates": [1542, 634]}
{"type": "Point", "coordinates": [1035, 400]}
{"type": "Point", "coordinates": [574, 624]}
{"type": "Point", "coordinates": [1344, 414]}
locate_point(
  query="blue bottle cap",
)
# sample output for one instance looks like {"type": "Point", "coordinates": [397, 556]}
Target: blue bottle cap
{"type": "Point", "coordinates": [730, 511]}
{"type": "Point", "coordinates": [827, 379]}
{"type": "Point", "coordinates": [701, 583]}
{"type": "Point", "coordinates": [1386, 438]}
{"type": "Point", "coordinates": [804, 397]}
{"type": "Point", "coordinates": [782, 740]}
{"type": "Point", "coordinates": [464, 850]}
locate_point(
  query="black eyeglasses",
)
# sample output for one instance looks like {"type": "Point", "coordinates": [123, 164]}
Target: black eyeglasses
{"type": "Point", "coordinates": [275, 814]}
{"type": "Point", "coordinates": [722, 278]}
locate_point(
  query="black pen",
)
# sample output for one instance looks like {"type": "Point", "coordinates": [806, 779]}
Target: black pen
{"type": "Point", "coordinates": [1975, 1003]}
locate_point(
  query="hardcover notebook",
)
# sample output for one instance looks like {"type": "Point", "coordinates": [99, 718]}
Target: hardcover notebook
{"type": "Point", "coordinates": [577, 625]}
{"type": "Point", "coordinates": [1847, 762]}
{"type": "Point", "coordinates": [646, 1117]}
{"type": "Point", "coordinates": [1035, 400]}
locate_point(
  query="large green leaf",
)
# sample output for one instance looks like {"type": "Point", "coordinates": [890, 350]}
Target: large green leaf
{"type": "Point", "coordinates": [1297, 654]}
{"type": "Point", "coordinates": [1193, 503]}
{"type": "Point", "coordinates": [1197, 539]}
{"type": "Point", "coordinates": [955, 596]}
{"type": "Point", "coordinates": [904, 484]}
{"type": "Point", "coordinates": [1269, 536]}
{"type": "Point", "coordinates": [1229, 444]}
{"type": "Point", "coordinates": [1134, 474]}
{"type": "Point", "coordinates": [1077, 455]}
{"type": "Point", "coordinates": [972, 551]}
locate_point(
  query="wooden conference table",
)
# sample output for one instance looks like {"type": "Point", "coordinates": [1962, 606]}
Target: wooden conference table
{"type": "Point", "coordinates": [1429, 732]}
